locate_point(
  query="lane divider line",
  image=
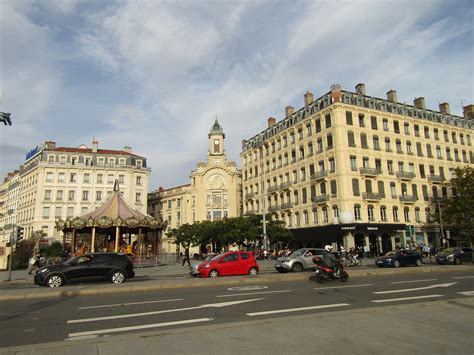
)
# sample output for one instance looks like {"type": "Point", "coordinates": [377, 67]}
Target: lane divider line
{"type": "Point", "coordinates": [131, 303]}
{"type": "Point", "coordinates": [415, 289]}
{"type": "Point", "coordinates": [411, 281]}
{"type": "Point", "coordinates": [405, 298]}
{"type": "Point", "coordinates": [467, 293]}
{"type": "Point", "coordinates": [462, 277]}
{"type": "Point", "coordinates": [253, 293]}
{"type": "Point", "coordinates": [350, 286]}
{"type": "Point", "coordinates": [298, 309]}
{"type": "Point", "coordinates": [137, 327]}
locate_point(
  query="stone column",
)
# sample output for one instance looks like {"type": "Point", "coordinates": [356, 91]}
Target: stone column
{"type": "Point", "coordinates": [348, 241]}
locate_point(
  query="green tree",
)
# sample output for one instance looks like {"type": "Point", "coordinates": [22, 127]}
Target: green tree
{"type": "Point", "coordinates": [458, 211]}
{"type": "Point", "coordinates": [53, 250]}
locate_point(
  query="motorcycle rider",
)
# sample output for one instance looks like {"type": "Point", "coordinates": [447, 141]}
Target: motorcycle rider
{"type": "Point", "coordinates": [330, 260]}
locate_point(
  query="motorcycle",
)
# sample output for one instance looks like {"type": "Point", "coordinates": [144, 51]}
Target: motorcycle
{"type": "Point", "coordinates": [324, 273]}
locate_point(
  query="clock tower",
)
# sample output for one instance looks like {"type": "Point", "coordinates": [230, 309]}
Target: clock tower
{"type": "Point", "coordinates": [216, 141]}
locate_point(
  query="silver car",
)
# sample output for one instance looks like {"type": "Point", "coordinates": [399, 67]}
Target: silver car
{"type": "Point", "coordinates": [299, 260]}
{"type": "Point", "coordinates": [193, 270]}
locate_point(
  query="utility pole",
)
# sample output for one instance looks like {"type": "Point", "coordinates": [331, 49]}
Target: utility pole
{"type": "Point", "coordinates": [264, 224]}
{"type": "Point", "coordinates": [441, 221]}
{"type": "Point", "coordinates": [12, 238]}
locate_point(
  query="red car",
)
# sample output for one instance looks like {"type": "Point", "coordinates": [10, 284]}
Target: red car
{"type": "Point", "coordinates": [231, 263]}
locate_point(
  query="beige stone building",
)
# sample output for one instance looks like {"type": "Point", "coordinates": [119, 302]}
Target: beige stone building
{"type": "Point", "coordinates": [61, 182]}
{"type": "Point", "coordinates": [352, 169]}
{"type": "Point", "coordinates": [214, 192]}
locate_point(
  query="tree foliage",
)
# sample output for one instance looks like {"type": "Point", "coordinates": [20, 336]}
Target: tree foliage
{"type": "Point", "coordinates": [243, 231]}
{"type": "Point", "coordinates": [458, 211]}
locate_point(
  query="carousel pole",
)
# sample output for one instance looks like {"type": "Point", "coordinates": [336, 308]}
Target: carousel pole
{"type": "Point", "coordinates": [117, 234]}
{"type": "Point", "coordinates": [73, 246]}
{"type": "Point", "coordinates": [93, 240]}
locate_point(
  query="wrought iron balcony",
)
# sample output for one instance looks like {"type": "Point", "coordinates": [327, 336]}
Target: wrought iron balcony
{"type": "Point", "coordinates": [286, 205]}
{"type": "Point", "coordinates": [320, 199]}
{"type": "Point", "coordinates": [273, 208]}
{"type": "Point", "coordinates": [405, 175]}
{"type": "Point", "coordinates": [249, 195]}
{"type": "Point", "coordinates": [320, 175]}
{"type": "Point", "coordinates": [408, 198]}
{"type": "Point", "coordinates": [273, 188]}
{"type": "Point", "coordinates": [373, 196]}
{"type": "Point", "coordinates": [285, 185]}
{"type": "Point", "coordinates": [436, 178]}
{"type": "Point", "coordinates": [370, 171]}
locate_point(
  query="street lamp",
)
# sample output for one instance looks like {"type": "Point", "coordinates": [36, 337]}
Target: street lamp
{"type": "Point", "coordinates": [264, 225]}
{"type": "Point", "coordinates": [440, 221]}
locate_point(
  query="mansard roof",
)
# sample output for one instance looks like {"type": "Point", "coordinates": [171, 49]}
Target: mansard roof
{"type": "Point", "coordinates": [217, 129]}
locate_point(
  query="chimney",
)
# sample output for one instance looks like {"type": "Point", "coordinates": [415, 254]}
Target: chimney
{"type": "Point", "coordinates": [308, 98]}
{"type": "Point", "coordinates": [336, 93]}
{"type": "Point", "coordinates": [50, 145]}
{"type": "Point", "coordinates": [128, 149]}
{"type": "Point", "coordinates": [95, 146]}
{"type": "Point", "coordinates": [271, 121]}
{"type": "Point", "coordinates": [444, 108]}
{"type": "Point", "coordinates": [468, 111]}
{"type": "Point", "coordinates": [360, 89]}
{"type": "Point", "coordinates": [392, 96]}
{"type": "Point", "coordinates": [419, 103]}
{"type": "Point", "coordinates": [289, 110]}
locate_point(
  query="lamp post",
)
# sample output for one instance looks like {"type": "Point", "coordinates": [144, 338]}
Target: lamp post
{"type": "Point", "coordinates": [440, 221]}
{"type": "Point", "coordinates": [264, 225]}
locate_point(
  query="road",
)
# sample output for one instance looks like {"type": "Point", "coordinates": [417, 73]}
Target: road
{"type": "Point", "coordinates": [94, 317]}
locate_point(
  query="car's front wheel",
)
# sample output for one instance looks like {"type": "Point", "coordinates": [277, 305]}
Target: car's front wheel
{"type": "Point", "coordinates": [297, 267]}
{"type": "Point", "coordinates": [117, 277]}
{"type": "Point", "coordinates": [253, 271]}
{"type": "Point", "coordinates": [396, 263]}
{"type": "Point", "coordinates": [54, 280]}
{"type": "Point", "coordinates": [418, 262]}
{"type": "Point", "coordinates": [213, 274]}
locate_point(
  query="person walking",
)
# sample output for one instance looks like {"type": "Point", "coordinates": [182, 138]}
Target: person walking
{"type": "Point", "coordinates": [186, 257]}
{"type": "Point", "coordinates": [33, 263]}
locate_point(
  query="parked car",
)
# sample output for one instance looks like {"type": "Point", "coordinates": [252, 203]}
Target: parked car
{"type": "Point", "coordinates": [455, 256]}
{"type": "Point", "coordinates": [299, 260]}
{"type": "Point", "coordinates": [114, 267]}
{"type": "Point", "coordinates": [193, 269]}
{"type": "Point", "coordinates": [231, 263]}
{"type": "Point", "coordinates": [398, 258]}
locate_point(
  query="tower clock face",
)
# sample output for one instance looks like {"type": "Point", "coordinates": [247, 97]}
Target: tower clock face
{"type": "Point", "coordinates": [216, 141]}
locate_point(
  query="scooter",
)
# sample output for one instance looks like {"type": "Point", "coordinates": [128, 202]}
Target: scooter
{"type": "Point", "coordinates": [323, 273]}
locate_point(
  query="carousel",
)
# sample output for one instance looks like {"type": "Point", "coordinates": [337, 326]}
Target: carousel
{"type": "Point", "coordinates": [114, 226]}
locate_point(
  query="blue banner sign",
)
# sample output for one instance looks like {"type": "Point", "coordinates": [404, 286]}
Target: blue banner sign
{"type": "Point", "coordinates": [31, 153]}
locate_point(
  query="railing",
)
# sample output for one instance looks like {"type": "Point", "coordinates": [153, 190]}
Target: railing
{"type": "Point", "coordinates": [405, 175]}
{"type": "Point", "coordinates": [373, 196]}
{"type": "Point", "coordinates": [408, 198]}
{"type": "Point", "coordinates": [370, 171]}
{"type": "Point", "coordinates": [319, 175]}
{"type": "Point", "coordinates": [249, 195]}
{"type": "Point", "coordinates": [273, 188]}
{"type": "Point", "coordinates": [436, 178]}
{"type": "Point", "coordinates": [285, 185]}
{"type": "Point", "coordinates": [273, 208]}
{"type": "Point", "coordinates": [320, 199]}
{"type": "Point", "coordinates": [286, 205]}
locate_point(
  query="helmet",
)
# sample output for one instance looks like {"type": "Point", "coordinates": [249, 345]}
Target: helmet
{"type": "Point", "coordinates": [328, 247]}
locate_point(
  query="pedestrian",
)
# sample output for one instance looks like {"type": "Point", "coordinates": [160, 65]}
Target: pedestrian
{"type": "Point", "coordinates": [265, 255]}
{"type": "Point", "coordinates": [366, 251]}
{"type": "Point", "coordinates": [33, 263]}
{"type": "Point", "coordinates": [186, 257]}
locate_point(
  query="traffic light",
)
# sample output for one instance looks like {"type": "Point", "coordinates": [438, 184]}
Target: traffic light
{"type": "Point", "coordinates": [5, 118]}
{"type": "Point", "coordinates": [19, 233]}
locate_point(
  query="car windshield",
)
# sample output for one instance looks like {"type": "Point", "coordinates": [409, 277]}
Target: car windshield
{"type": "Point", "coordinates": [298, 252]}
{"type": "Point", "coordinates": [448, 251]}
{"type": "Point", "coordinates": [209, 257]}
{"type": "Point", "coordinates": [391, 253]}
{"type": "Point", "coordinates": [216, 257]}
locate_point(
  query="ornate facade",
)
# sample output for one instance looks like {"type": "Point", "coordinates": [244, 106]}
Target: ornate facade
{"type": "Point", "coordinates": [214, 192]}
{"type": "Point", "coordinates": [353, 169]}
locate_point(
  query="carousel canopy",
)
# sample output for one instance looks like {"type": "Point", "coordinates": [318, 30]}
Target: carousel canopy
{"type": "Point", "coordinates": [116, 211]}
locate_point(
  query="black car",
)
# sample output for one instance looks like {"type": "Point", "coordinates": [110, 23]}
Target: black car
{"type": "Point", "coordinates": [89, 267]}
{"type": "Point", "coordinates": [455, 256]}
{"type": "Point", "coordinates": [398, 258]}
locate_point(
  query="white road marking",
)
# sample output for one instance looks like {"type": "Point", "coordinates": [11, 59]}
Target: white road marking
{"type": "Point", "coordinates": [415, 289]}
{"type": "Point", "coordinates": [406, 282]}
{"type": "Point", "coordinates": [247, 288]}
{"type": "Point", "coordinates": [137, 327]}
{"type": "Point", "coordinates": [405, 298]}
{"type": "Point", "coordinates": [82, 337]}
{"type": "Point", "coordinates": [298, 309]}
{"type": "Point", "coordinates": [131, 303]}
{"type": "Point", "coordinates": [463, 277]}
{"type": "Point", "coordinates": [467, 293]}
{"type": "Point", "coordinates": [329, 288]}
{"type": "Point", "coordinates": [253, 293]}
{"type": "Point", "coordinates": [131, 315]}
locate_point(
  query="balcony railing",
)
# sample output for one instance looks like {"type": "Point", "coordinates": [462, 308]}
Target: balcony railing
{"type": "Point", "coordinates": [405, 175]}
{"type": "Point", "coordinates": [249, 195]}
{"type": "Point", "coordinates": [273, 188]}
{"type": "Point", "coordinates": [320, 175]}
{"type": "Point", "coordinates": [273, 208]}
{"type": "Point", "coordinates": [436, 178]}
{"type": "Point", "coordinates": [408, 198]}
{"type": "Point", "coordinates": [320, 199]}
{"type": "Point", "coordinates": [373, 196]}
{"type": "Point", "coordinates": [286, 205]}
{"type": "Point", "coordinates": [370, 171]}
{"type": "Point", "coordinates": [285, 185]}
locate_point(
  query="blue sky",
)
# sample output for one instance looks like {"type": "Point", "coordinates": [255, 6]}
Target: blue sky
{"type": "Point", "coordinates": [155, 74]}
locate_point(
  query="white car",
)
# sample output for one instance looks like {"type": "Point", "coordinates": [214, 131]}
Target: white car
{"type": "Point", "coordinates": [193, 270]}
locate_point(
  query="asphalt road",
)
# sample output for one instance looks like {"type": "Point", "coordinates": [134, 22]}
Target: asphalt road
{"type": "Point", "coordinates": [77, 318]}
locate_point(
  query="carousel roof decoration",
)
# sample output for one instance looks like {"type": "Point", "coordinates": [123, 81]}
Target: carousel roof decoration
{"type": "Point", "coordinates": [114, 212]}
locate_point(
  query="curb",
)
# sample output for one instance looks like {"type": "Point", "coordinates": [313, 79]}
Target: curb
{"type": "Point", "coordinates": [153, 285]}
